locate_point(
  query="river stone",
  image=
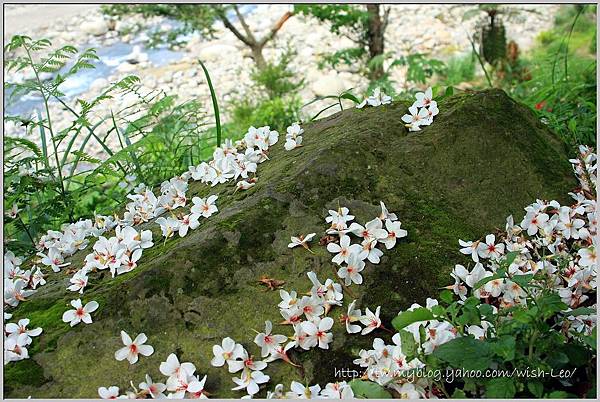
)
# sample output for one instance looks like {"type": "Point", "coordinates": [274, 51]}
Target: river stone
{"type": "Point", "coordinates": [216, 51]}
{"type": "Point", "coordinates": [97, 26]}
{"type": "Point", "coordinates": [484, 157]}
{"type": "Point", "coordinates": [329, 84]}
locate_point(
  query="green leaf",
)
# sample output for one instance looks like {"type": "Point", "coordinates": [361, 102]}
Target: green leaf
{"type": "Point", "coordinates": [213, 96]}
{"type": "Point", "coordinates": [486, 310]}
{"type": "Point", "coordinates": [522, 280]}
{"type": "Point", "coordinates": [522, 316]}
{"type": "Point", "coordinates": [458, 394]}
{"type": "Point", "coordinates": [510, 257]}
{"type": "Point", "coordinates": [446, 296]}
{"type": "Point", "coordinates": [502, 387]}
{"type": "Point", "coordinates": [438, 310]}
{"type": "Point", "coordinates": [465, 352]}
{"type": "Point", "coordinates": [369, 390]}
{"type": "Point", "coordinates": [550, 304]}
{"type": "Point", "coordinates": [348, 95]}
{"type": "Point", "coordinates": [578, 355]}
{"type": "Point", "coordinates": [581, 311]}
{"type": "Point", "coordinates": [536, 388]}
{"type": "Point", "coordinates": [504, 346]}
{"type": "Point", "coordinates": [408, 317]}
{"type": "Point", "coordinates": [469, 316]}
{"type": "Point", "coordinates": [591, 339]}
{"type": "Point", "coordinates": [557, 360]}
{"type": "Point", "coordinates": [407, 340]}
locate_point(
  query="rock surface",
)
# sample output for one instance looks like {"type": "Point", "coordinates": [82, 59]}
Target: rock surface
{"type": "Point", "coordinates": [484, 157]}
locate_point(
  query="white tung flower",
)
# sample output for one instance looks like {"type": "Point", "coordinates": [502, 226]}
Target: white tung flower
{"type": "Point", "coordinates": [133, 348]}
{"type": "Point", "coordinates": [301, 241]}
{"type": "Point", "coordinates": [80, 313]}
{"type": "Point", "coordinates": [204, 207]}
{"type": "Point", "coordinates": [267, 341]}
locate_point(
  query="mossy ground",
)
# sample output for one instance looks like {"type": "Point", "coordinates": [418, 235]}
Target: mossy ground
{"type": "Point", "coordinates": [485, 157]}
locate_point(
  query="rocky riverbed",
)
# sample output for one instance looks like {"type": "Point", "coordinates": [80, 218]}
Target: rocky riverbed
{"type": "Point", "coordinates": [435, 30]}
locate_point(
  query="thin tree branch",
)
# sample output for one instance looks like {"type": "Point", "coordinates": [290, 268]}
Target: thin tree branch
{"type": "Point", "coordinates": [232, 28]}
{"type": "Point", "coordinates": [244, 24]}
{"type": "Point", "coordinates": [276, 28]}
{"type": "Point", "coordinates": [386, 19]}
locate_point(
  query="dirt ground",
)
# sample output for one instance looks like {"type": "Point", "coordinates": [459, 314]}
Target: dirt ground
{"type": "Point", "coordinates": [39, 16]}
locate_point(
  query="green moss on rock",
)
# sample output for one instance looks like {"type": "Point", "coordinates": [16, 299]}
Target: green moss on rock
{"type": "Point", "coordinates": [484, 157]}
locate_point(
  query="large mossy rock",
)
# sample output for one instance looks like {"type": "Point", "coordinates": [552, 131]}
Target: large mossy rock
{"type": "Point", "coordinates": [484, 157]}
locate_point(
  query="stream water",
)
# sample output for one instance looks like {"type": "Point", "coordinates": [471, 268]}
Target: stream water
{"type": "Point", "coordinates": [110, 58]}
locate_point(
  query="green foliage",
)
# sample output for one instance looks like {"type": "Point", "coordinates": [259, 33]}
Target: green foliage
{"type": "Point", "coordinates": [273, 101]}
{"type": "Point", "coordinates": [195, 17]}
{"type": "Point", "coordinates": [369, 390]}
{"type": "Point", "coordinates": [279, 113]}
{"type": "Point", "coordinates": [459, 70]}
{"type": "Point", "coordinates": [525, 338]}
{"type": "Point", "coordinates": [562, 88]}
{"type": "Point", "coordinates": [406, 318]}
{"type": "Point", "coordinates": [350, 21]}
{"type": "Point", "coordinates": [51, 175]}
{"type": "Point", "coordinates": [276, 78]}
{"type": "Point", "coordinates": [341, 17]}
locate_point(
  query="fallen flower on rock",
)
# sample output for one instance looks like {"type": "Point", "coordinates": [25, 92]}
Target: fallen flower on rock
{"type": "Point", "coordinates": [133, 348]}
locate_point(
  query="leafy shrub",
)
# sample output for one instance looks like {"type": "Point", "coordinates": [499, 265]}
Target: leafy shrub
{"type": "Point", "coordinates": [459, 70]}
{"type": "Point", "coordinates": [520, 324]}
{"type": "Point", "coordinates": [279, 113]}
{"type": "Point", "coordinates": [276, 78]}
{"type": "Point", "coordinates": [273, 101]}
{"type": "Point", "coordinates": [562, 89]}
{"type": "Point", "coordinates": [49, 174]}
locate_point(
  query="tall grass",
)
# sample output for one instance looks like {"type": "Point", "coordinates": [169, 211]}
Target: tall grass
{"type": "Point", "coordinates": [562, 88]}
{"type": "Point", "coordinates": [51, 174]}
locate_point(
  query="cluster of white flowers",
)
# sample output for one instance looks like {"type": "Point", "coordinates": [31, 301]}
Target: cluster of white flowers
{"type": "Point", "coordinates": [230, 164]}
{"type": "Point", "coordinates": [372, 234]}
{"type": "Point", "coordinates": [387, 365]}
{"type": "Point", "coordinates": [586, 168]}
{"type": "Point", "coordinates": [333, 390]}
{"type": "Point", "coordinates": [16, 339]}
{"type": "Point", "coordinates": [421, 112]}
{"type": "Point", "coordinates": [238, 359]}
{"type": "Point", "coordinates": [377, 98]}
{"type": "Point", "coordinates": [293, 138]}
{"type": "Point", "coordinates": [308, 314]}
{"type": "Point", "coordinates": [118, 253]}
{"type": "Point", "coordinates": [555, 243]}
{"type": "Point", "coordinates": [145, 205]}
{"type": "Point", "coordinates": [18, 283]}
{"type": "Point", "coordinates": [74, 237]}
{"type": "Point", "coordinates": [182, 382]}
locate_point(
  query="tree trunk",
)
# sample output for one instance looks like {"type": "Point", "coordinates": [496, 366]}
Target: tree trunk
{"type": "Point", "coordinates": [375, 36]}
{"type": "Point", "coordinates": [258, 57]}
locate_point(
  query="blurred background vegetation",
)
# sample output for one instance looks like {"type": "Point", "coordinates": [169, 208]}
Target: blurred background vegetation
{"type": "Point", "coordinates": [52, 179]}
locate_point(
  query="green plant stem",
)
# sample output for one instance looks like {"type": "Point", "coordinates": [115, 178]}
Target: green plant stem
{"type": "Point", "coordinates": [569, 40]}
{"type": "Point", "coordinates": [532, 340]}
{"type": "Point", "coordinates": [487, 77]}
{"type": "Point", "coordinates": [91, 131]}
{"type": "Point", "coordinates": [213, 96]}
{"type": "Point", "coordinates": [41, 86]}
{"type": "Point", "coordinates": [27, 231]}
